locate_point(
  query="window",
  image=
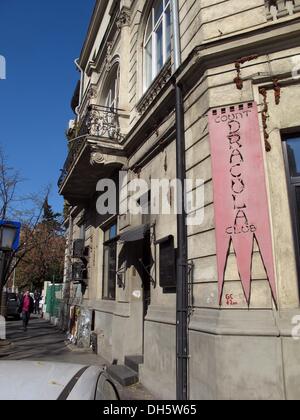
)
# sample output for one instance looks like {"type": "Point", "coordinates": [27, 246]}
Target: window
{"type": "Point", "coordinates": [110, 263]}
{"type": "Point", "coordinates": [111, 91]}
{"type": "Point", "coordinates": [167, 264]}
{"type": "Point", "coordinates": [112, 95]}
{"type": "Point", "coordinates": [292, 161]}
{"type": "Point", "coordinates": [157, 43]}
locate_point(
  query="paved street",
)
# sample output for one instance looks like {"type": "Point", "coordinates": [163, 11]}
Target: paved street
{"type": "Point", "coordinates": [43, 342]}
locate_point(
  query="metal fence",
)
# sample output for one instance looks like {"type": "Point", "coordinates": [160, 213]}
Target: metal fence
{"type": "Point", "coordinates": [54, 299]}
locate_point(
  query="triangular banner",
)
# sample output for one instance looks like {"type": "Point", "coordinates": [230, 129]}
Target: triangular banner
{"type": "Point", "coordinates": [240, 195]}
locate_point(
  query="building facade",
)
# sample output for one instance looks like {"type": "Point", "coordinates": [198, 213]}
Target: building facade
{"type": "Point", "coordinates": [120, 280]}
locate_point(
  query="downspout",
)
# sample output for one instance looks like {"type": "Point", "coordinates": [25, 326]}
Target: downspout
{"type": "Point", "coordinates": [182, 347]}
{"type": "Point", "coordinates": [81, 83]}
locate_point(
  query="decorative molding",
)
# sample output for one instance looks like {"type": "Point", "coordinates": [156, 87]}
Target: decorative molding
{"type": "Point", "coordinates": [277, 9]}
{"type": "Point", "coordinates": [99, 158]}
{"type": "Point", "coordinates": [109, 57]}
{"type": "Point", "coordinates": [92, 93]}
{"type": "Point", "coordinates": [238, 322]}
{"type": "Point", "coordinates": [124, 18]}
{"type": "Point", "coordinates": [155, 89]}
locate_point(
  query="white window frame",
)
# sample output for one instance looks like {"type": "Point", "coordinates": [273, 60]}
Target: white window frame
{"type": "Point", "coordinates": [111, 99]}
{"type": "Point", "coordinates": [153, 38]}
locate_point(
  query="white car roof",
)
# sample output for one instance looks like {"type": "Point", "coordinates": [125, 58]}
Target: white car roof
{"type": "Point", "coordinates": [25, 380]}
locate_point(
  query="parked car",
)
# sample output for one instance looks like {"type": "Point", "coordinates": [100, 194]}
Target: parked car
{"type": "Point", "coordinates": [12, 305]}
{"type": "Point", "coordinates": [26, 380]}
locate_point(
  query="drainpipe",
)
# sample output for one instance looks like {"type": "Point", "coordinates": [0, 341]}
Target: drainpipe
{"type": "Point", "coordinates": [81, 82]}
{"type": "Point", "coordinates": [182, 245]}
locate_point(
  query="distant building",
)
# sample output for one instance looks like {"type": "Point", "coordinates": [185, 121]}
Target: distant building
{"type": "Point", "coordinates": [234, 55]}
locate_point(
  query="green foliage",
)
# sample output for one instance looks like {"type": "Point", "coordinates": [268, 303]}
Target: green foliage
{"type": "Point", "coordinates": [53, 220]}
{"type": "Point", "coordinates": [44, 261]}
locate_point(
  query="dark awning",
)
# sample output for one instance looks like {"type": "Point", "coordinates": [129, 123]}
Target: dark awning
{"type": "Point", "coordinates": [135, 234]}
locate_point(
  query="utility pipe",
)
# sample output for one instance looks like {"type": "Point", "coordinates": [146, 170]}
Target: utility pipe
{"type": "Point", "coordinates": [182, 347]}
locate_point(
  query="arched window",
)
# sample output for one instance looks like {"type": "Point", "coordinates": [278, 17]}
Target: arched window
{"type": "Point", "coordinates": [110, 94]}
{"type": "Point", "coordinates": [157, 42]}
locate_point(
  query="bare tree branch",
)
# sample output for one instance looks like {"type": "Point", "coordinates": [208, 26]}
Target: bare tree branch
{"type": "Point", "coordinates": [28, 210]}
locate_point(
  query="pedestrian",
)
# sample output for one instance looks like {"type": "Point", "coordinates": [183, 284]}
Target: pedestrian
{"type": "Point", "coordinates": [41, 307]}
{"type": "Point", "coordinates": [26, 308]}
{"type": "Point", "coordinates": [37, 298]}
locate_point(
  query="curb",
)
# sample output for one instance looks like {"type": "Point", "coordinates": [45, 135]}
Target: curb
{"type": "Point", "coordinates": [4, 355]}
{"type": "Point", "coordinates": [75, 349]}
{"type": "Point", "coordinates": [4, 343]}
{"type": "Point", "coordinates": [5, 349]}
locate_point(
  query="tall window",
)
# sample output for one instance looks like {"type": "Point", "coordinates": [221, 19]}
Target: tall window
{"type": "Point", "coordinates": [112, 95]}
{"type": "Point", "coordinates": [111, 92]}
{"type": "Point", "coordinates": [157, 43]}
{"type": "Point", "coordinates": [292, 159]}
{"type": "Point", "coordinates": [110, 263]}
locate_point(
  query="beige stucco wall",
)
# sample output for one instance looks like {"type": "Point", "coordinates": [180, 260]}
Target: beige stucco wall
{"type": "Point", "coordinates": [236, 352]}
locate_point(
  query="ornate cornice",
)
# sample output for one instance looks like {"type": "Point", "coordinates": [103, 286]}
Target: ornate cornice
{"type": "Point", "coordinates": [155, 89]}
{"type": "Point", "coordinates": [277, 9]}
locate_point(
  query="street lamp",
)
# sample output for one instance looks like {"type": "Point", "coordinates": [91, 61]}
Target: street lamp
{"type": "Point", "coordinates": [8, 236]}
{"type": "Point", "coordinates": [9, 242]}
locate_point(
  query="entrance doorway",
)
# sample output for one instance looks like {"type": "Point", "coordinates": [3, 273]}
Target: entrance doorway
{"type": "Point", "coordinates": [137, 254]}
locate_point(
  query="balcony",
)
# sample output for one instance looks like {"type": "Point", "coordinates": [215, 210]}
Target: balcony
{"type": "Point", "coordinates": [277, 9]}
{"type": "Point", "coordinates": [95, 151]}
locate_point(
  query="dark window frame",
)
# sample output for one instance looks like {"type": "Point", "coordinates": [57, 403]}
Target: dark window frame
{"type": "Point", "coordinates": [167, 247]}
{"type": "Point", "coordinates": [292, 184]}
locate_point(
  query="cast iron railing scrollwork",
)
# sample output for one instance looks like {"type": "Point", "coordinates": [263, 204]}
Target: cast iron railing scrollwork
{"type": "Point", "coordinates": [98, 121]}
{"type": "Point", "coordinates": [75, 147]}
{"type": "Point", "coordinates": [101, 121]}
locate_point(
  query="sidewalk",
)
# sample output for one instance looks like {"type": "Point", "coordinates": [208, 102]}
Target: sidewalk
{"type": "Point", "coordinates": [44, 342]}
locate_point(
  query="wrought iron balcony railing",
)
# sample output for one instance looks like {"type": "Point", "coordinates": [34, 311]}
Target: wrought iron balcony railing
{"type": "Point", "coordinates": [99, 121]}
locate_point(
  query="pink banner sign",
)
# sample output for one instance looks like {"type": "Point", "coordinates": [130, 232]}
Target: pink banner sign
{"type": "Point", "coordinates": [240, 195]}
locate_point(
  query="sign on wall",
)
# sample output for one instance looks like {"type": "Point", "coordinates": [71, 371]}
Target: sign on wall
{"type": "Point", "coordinates": [240, 195]}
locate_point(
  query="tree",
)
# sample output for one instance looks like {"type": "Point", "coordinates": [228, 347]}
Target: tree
{"type": "Point", "coordinates": [9, 181]}
{"type": "Point", "coordinates": [49, 216]}
{"type": "Point", "coordinates": [41, 250]}
{"type": "Point", "coordinates": [45, 260]}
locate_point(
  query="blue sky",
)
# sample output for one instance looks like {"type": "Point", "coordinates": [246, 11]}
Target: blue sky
{"type": "Point", "coordinates": [39, 40]}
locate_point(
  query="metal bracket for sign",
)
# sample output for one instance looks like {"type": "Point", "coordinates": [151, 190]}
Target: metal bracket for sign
{"type": "Point", "coordinates": [152, 280]}
{"type": "Point", "coordinates": [153, 233]}
{"type": "Point", "coordinates": [121, 276]}
{"type": "Point", "coordinates": [190, 267]}
{"type": "Point", "coordinates": [153, 241]}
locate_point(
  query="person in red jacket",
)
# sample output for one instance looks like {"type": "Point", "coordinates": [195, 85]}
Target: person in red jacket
{"type": "Point", "coordinates": [26, 308]}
